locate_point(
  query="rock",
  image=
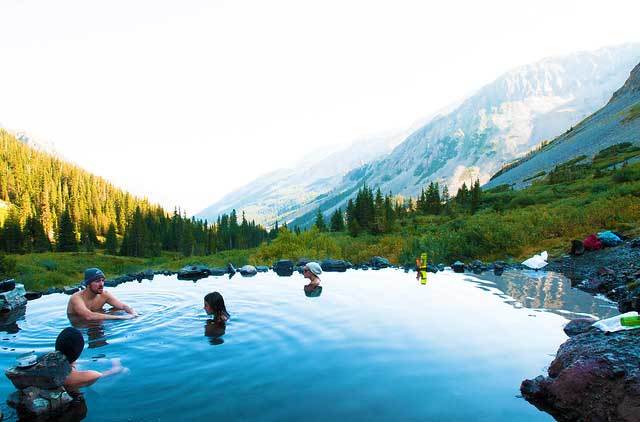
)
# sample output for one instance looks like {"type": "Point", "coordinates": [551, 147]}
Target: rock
{"type": "Point", "coordinates": [578, 326]}
{"type": "Point", "coordinates": [441, 267]}
{"type": "Point", "coordinates": [40, 402]}
{"type": "Point", "coordinates": [635, 243]}
{"type": "Point", "coordinates": [49, 372]}
{"type": "Point", "coordinates": [7, 285]}
{"type": "Point", "coordinates": [33, 295]}
{"type": "Point", "coordinates": [594, 377]}
{"type": "Point", "coordinates": [334, 265]}
{"type": "Point", "coordinates": [248, 271]}
{"type": "Point", "coordinates": [193, 272]}
{"type": "Point", "coordinates": [52, 290]}
{"type": "Point", "coordinates": [13, 299]}
{"type": "Point", "coordinates": [217, 271]}
{"type": "Point", "coordinates": [498, 267]}
{"type": "Point", "coordinates": [577, 247]}
{"type": "Point", "coordinates": [432, 268]}
{"type": "Point", "coordinates": [284, 267]}
{"type": "Point", "coordinates": [303, 261]}
{"type": "Point", "coordinates": [457, 267]}
{"type": "Point", "coordinates": [69, 290]}
{"type": "Point", "coordinates": [262, 268]}
{"type": "Point", "coordinates": [378, 262]}
{"type": "Point", "coordinates": [144, 275]}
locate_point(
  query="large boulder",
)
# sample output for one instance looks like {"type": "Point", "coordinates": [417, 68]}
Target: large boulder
{"type": "Point", "coordinates": [13, 299]}
{"type": "Point", "coordinates": [334, 265]}
{"type": "Point", "coordinates": [7, 285]}
{"type": "Point", "coordinates": [594, 377]}
{"type": "Point", "coordinates": [49, 372]}
{"type": "Point", "coordinates": [283, 268]}
{"type": "Point", "coordinates": [248, 271]}
{"type": "Point", "coordinates": [378, 262]}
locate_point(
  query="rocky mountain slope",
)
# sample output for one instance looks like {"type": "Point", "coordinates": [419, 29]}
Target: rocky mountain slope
{"type": "Point", "coordinates": [501, 122]}
{"type": "Point", "coordinates": [618, 121]}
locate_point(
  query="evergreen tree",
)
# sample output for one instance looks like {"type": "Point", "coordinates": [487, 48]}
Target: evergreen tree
{"type": "Point", "coordinates": [352, 220]}
{"type": "Point", "coordinates": [337, 221]}
{"type": "Point", "coordinates": [66, 239]}
{"type": "Point", "coordinates": [320, 221]}
{"type": "Point", "coordinates": [35, 238]}
{"type": "Point", "coordinates": [111, 244]}
{"type": "Point", "coordinates": [11, 236]}
{"type": "Point", "coordinates": [475, 196]}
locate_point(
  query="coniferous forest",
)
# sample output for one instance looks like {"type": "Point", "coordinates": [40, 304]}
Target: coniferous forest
{"type": "Point", "coordinates": [59, 206]}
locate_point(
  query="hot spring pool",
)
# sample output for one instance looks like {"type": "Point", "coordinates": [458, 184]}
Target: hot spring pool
{"type": "Point", "coordinates": [376, 345]}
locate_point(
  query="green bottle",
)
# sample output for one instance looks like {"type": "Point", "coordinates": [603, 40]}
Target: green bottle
{"type": "Point", "coordinates": [630, 321]}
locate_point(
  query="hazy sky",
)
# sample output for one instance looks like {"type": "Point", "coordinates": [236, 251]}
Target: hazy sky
{"type": "Point", "coordinates": [183, 101]}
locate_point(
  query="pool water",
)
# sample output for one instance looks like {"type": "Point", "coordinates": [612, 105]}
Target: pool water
{"type": "Point", "coordinates": [376, 345]}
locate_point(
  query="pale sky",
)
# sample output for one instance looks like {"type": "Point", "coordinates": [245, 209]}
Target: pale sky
{"type": "Point", "coordinates": [184, 101]}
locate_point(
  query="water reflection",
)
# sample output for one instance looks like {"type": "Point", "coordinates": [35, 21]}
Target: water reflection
{"type": "Point", "coordinates": [546, 290]}
{"type": "Point", "coordinates": [317, 291]}
{"type": "Point", "coordinates": [9, 320]}
{"type": "Point", "coordinates": [94, 329]}
{"type": "Point", "coordinates": [215, 330]}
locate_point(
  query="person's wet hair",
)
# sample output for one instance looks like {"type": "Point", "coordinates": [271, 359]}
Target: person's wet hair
{"type": "Point", "coordinates": [216, 303]}
{"type": "Point", "coordinates": [70, 343]}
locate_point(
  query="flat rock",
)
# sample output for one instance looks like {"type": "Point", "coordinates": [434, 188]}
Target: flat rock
{"type": "Point", "coordinates": [594, 377]}
{"type": "Point", "coordinates": [578, 326]}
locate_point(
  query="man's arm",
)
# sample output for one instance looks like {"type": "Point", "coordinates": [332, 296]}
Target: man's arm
{"type": "Point", "coordinates": [80, 309]}
{"type": "Point", "coordinates": [116, 303]}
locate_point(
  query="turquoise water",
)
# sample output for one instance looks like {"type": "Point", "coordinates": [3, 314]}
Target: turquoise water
{"type": "Point", "coordinates": [376, 345]}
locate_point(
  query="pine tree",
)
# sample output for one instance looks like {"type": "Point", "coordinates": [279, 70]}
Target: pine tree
{"type": "Point", "coordinates": [321, 226]}
{"type": "Point", "coordinates": [111, 244]}
{"type": "Point", "coordinates": [66, 239]}
{"type": "Point", "coordinates": [337, 221]}
{"type": "Point", "coordinates": [475, 196]}
{"type": "Point", "coordinates": [11, 236]}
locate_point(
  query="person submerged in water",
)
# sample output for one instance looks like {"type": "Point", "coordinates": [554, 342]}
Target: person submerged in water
{"type": "Point", "coordinates": [216, 326]}
{"type": "Point", "coordinates": [311, 271]}
{"type": "Point", "coordinates": [71, 343]}
{"type": "Point", "coordinates": [85, 303]}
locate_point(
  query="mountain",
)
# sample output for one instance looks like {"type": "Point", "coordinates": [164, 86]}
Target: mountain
{"type": "Point", "coordinates": [617, 122]}
{"type": "Point", "coordinates": [501, 122]}
{"type": "Point", "coordinates": [285, 194]}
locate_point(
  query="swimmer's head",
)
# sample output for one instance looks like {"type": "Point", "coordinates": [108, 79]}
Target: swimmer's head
{"type": "Point", "coordinates": [311, 270]}
{"type": "Point", "coordinates": [70, 343]}
{"type": "Point", "coordinates": [94, 280]}
{"type": "Point", "coordinates": [214, 305]}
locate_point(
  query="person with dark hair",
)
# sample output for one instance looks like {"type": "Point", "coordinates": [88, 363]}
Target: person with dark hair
{"type": "Point", "coordinates": [85, 303]}
{"type": "Point", "coordinates": [215, 327]}
{"type": "Point", "coordinates": [71, 343]}
{"type": "Point", "coordinates": [214, 305]}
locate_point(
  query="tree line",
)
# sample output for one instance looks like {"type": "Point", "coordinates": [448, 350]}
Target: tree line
{"type": "Point", "coordinates": [374, 213]}
{"type": "Point", "coordinates": [59, 206]}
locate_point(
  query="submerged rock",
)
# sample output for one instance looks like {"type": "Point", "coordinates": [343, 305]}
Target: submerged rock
{"type": "Point", "coordinates": [33, 401]}
{"type": "Point", "coordinates": [594, 377]}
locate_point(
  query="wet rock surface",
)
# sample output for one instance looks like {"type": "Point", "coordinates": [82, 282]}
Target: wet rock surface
{"type": "Point", "coordinates": [49, 372]}
{"type": "Point", "coordinates": [614, 272]}
{"type": "Point", "coordinates": [594, 377]}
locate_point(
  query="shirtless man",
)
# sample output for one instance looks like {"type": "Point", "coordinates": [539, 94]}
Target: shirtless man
{"type": "Point", "coordinates": [87, 303]}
